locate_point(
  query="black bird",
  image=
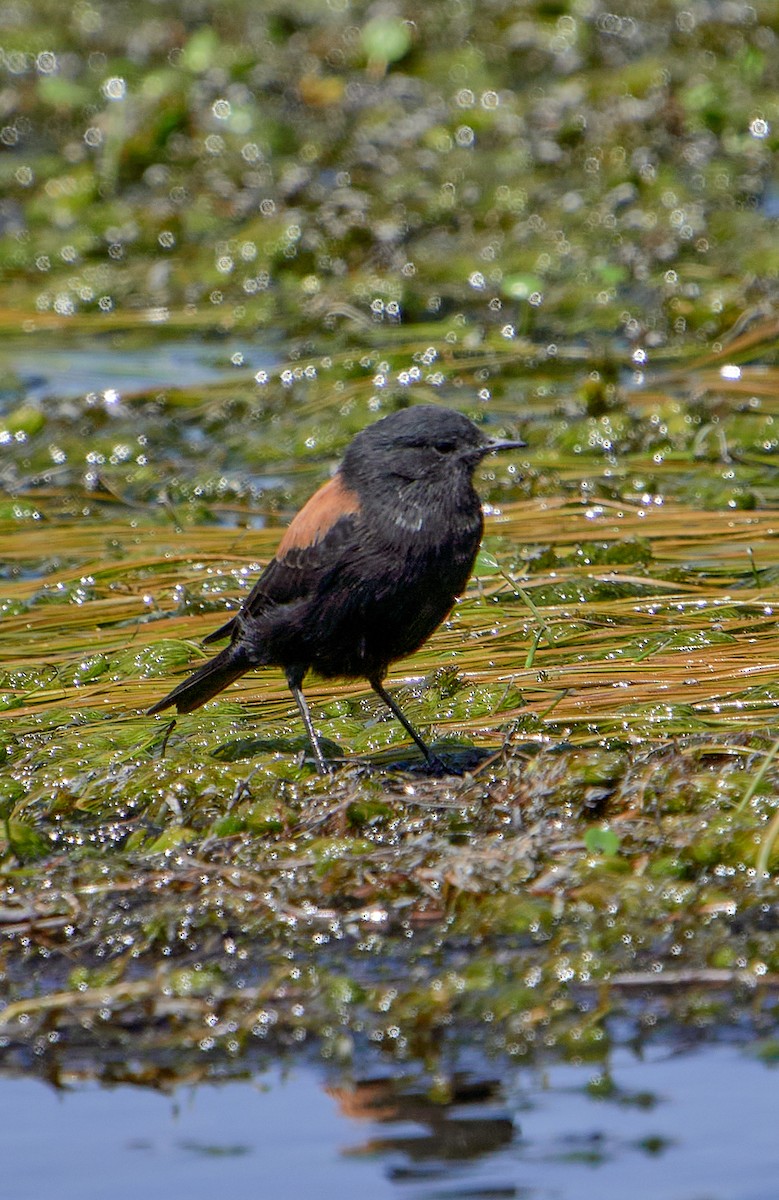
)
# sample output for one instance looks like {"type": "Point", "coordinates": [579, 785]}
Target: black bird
{"type": "Point", "coordinates": [368, 568]}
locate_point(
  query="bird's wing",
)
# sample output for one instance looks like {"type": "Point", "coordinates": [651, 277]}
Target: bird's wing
{"type": "Point", "coordinates": [326, 526]}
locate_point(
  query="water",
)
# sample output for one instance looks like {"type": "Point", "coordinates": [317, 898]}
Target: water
{"type": "Point", "coordinates": [98, 364]}
{"type": "Point", "coordinates": [698, 1125]}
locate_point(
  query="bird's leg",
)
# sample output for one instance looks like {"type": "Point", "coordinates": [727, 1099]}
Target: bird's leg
{"type": "Point", "coordinates": [378, 687]}
{"type": "Point", "coordinates": [294, 680]}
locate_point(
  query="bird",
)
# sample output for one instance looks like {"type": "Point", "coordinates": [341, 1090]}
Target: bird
{"type": "Point", "coordinates": [367, 569]}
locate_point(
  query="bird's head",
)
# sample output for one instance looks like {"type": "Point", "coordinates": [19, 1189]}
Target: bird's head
{"type": "Point", "coordinates": [422, 442]}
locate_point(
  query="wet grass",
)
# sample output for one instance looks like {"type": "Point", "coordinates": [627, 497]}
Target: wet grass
{"type": "Point", "coordinates": [604, 694]}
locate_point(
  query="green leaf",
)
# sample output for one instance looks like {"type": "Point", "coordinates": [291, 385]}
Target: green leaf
{"type": "Point", "coordinates": [385, 40]}
{"type": "Point", "coordinates": [520, 287]}
{"type": "Point", "coordinates": [201, 51]}
{"type": "Point", "coordinates": [27, 844]}
{"type": "Point", "coordinates": [601, 840]}
{"type": "Point", "coordinates": [26, 419]}
{"type": "Point", "coordinates": [486, 563]}
{"type": "Point", "coordinates": [169, 839]}
{"type": "Point", "coordinates": [11, 792]}
{"type": "Point", "coordinates": [62, 93]}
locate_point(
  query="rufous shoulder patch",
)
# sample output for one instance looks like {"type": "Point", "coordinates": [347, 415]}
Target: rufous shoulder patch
{"type": "Point", "coordinates": [319, 514]}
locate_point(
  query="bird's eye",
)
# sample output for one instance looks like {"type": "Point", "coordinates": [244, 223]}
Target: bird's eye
{"type": "Point", "coordinates": [445, 447]}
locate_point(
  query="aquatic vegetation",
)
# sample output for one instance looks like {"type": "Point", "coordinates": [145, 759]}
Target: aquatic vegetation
{"type": "Point", "coordinates": [218, 264]}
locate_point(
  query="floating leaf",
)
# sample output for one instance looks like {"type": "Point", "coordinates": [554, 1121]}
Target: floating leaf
{"type": "Point", "coordinates": [385, 40]}
{"type": "Point", "coordinates": [601, 840]}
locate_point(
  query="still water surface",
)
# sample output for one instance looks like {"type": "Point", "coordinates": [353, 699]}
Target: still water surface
{"type": "Point", "coordinates": [701, 1125]}
{"type": "Point", "coordinates": [91, 364]}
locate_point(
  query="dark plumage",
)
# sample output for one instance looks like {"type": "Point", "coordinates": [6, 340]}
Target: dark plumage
{"type": "Point", "coordinates": [368, 568]}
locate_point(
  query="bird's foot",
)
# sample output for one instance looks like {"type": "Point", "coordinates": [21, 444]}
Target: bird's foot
{"type": "Point", "coordinates": [438, 767]}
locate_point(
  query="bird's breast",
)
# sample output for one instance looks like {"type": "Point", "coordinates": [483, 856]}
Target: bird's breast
{"type": "Point", "coordinates": [431, 515]}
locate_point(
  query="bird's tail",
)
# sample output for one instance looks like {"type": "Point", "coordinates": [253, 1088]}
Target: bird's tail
{"type": "Point", "coordinates": [207, 681]}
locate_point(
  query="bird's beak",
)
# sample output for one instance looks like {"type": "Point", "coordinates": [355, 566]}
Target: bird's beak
{"type": "Point", "coordinates": [495, 444]}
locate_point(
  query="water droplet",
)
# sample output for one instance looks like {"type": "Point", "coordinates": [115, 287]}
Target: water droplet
{"type": "Point", "coordinates": [114, 88]}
